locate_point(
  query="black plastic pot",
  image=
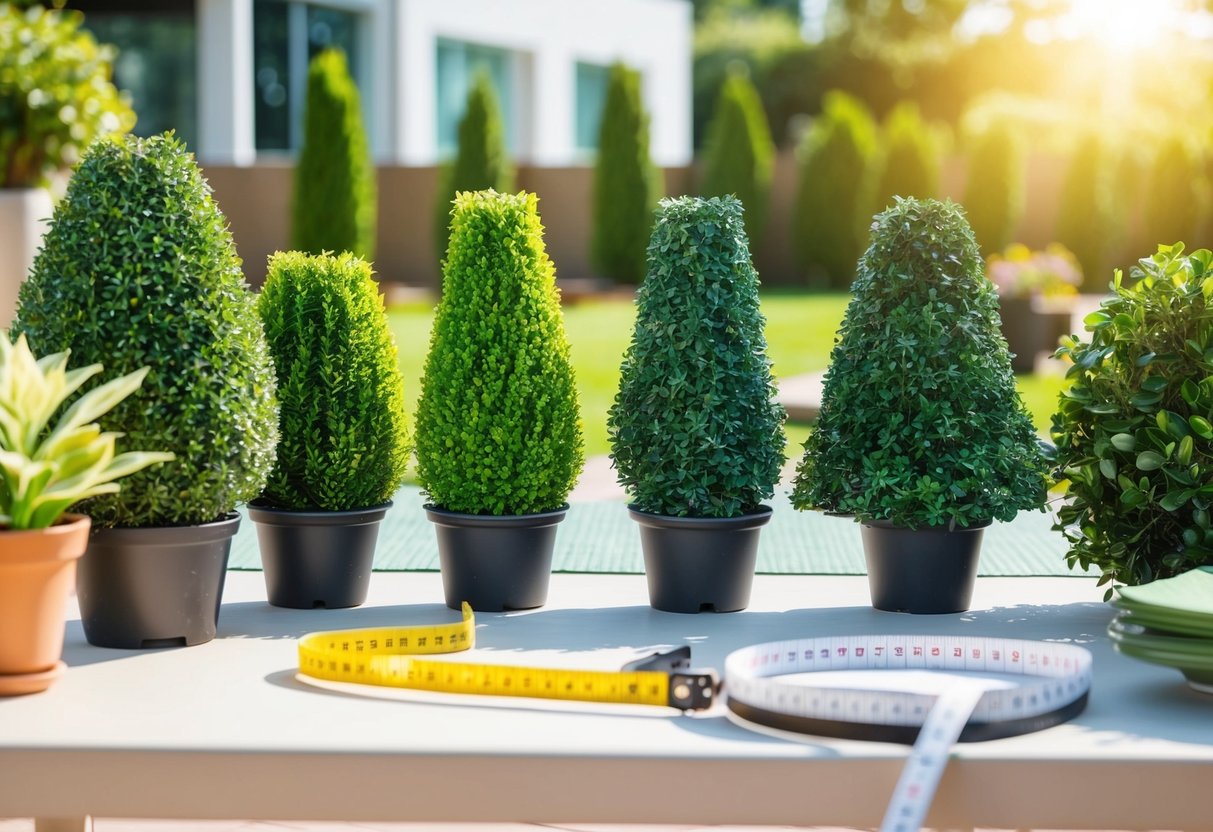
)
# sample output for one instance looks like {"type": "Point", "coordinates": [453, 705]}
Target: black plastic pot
{"type": "Point", "coordinates": [927, 570]}
{"type": "Point", "coordinates": [700, 564]}
{"type": "Point", "coordinates": [495, 563]}
{"type": "Point", "coordinates": [317, 558]}
{"type": "Point", "coordinates": [154, 587]}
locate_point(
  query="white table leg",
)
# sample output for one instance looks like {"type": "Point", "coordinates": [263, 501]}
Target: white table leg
{"type": "Point", "coordinates": [81, 824]}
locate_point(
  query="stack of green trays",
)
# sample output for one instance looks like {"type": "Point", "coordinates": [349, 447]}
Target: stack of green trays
{"type": "Point", "coordinates": [1169, 622]}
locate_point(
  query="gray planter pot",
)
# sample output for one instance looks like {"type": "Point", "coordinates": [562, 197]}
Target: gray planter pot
{"type": "Point", "coordinates": [928, 570]}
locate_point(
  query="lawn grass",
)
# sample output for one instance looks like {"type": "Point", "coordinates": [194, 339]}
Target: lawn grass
{"type": "Point", "coordinates": [800, 335]}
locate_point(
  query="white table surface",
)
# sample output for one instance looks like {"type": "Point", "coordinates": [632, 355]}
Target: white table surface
{"type": "Point", "coordinates": [226, 730]}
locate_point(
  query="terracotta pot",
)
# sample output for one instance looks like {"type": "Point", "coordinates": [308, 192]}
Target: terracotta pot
{"type": "Point", "coordinates": [37, 572]}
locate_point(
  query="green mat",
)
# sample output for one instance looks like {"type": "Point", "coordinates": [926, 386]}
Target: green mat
{"type": "Point", "coordinates": [601, 537]}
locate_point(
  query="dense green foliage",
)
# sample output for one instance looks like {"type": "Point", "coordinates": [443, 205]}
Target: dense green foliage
{"type": "Point", "coordinates": [498, 422]}
{"type": "Point", "coordinates": [740, 156]}
{"type": "Point", "coordinates": [910, 160]}
{"type": "Point", "coordinates": [138, 269]}
{"type": "Point", "coordinates": [696, 429]}
{"type": "Point", "coordinates": [994, 190]}
{"type": "Point", "coordinates": [920, 423]}
{"type": "Point", "coordinates": [1133, 432]}
{"type": "Point", "coordinates": [342, 438]}
{"type": "Point", "coordinates": [334, 206]}
{"type": "Point", "coordinates": [1089, 220]}
{"type": "Point", "coordinates": [834, 199]}
{"type": "Point", "coordinates": [1177, 192]}
{"type": "Point", "coordinates": [481, 160]}
{"type": "Point", "coordinates": [55, 93]}
{"type": "Point", "coordinates": [626, 183]}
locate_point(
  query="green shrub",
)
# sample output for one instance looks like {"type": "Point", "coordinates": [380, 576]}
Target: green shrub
{"type": "Point", "coordinates": [55, 93]}
{"type": "Point", "coordinates": [994, 192]}
{"type": "Point", "coordinates": [1089, 220]}
{"type": "Point", "coordinates": [740, 156]}
{"type": "Point", "coordinates": [910, 161]}
{"type": "Point", "coordinates": [334, 203]}
{"type": "Point", "coordinates": [1176, 192]}
{"type": "Point", "coordinates": [696, 429]}
{"type": "Point", "coordinates": [480, 162]}
{"type": "Point", "coordinates": [138, 269]}
{"type": "Point", "coordinates": [833, 203]}
{"type": "Point", "coordinates": [1133, 433]}
{"type": "Point", "coordinates": [343, 443]}
{"type": "Point", "coordinates": [498, 422]}
{"type": "Point", "coordinates": [920, 422]}
{"type": "Point", "coordinates": [626, 183]}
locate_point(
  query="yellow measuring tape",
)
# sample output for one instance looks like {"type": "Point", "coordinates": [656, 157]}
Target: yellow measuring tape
{"type": "Point", "coordinates": [386, 656]}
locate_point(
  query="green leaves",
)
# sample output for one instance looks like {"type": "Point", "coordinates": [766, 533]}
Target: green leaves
{"type": "Point", "coordinates": [739, 155]}
{"type": "Point", "coordinates": [1141, 405]}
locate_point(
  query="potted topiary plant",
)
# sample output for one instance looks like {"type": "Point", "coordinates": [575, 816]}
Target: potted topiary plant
{"type": "Point", "coordinates": [50, 459]}
{"type": "Point", "coordinates": [696, 429]}
{"type": "Point", "coordinates": [1133, 431]}
{"type": "Point", "coordinates": [55, 98]}
{"type": "Point", "coordinates": [498, 424]}
{"type": "Point", "coordinates": [922, 437]}
{"type": "Point", "coordinates": [139, 270]}
{"type": "Point", "coordinates": [343, 448]}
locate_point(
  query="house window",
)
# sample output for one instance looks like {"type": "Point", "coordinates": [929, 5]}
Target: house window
{"type": "Point", "coordinates": [591, 97]}
{"type": "Point", "coordinates": [458, 64]}
{"type": "Point", "coordinates": [286, 36]}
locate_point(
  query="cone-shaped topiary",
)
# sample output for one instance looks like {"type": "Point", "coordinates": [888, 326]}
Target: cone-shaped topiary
{"type": "Point", "coordinates": [994, 190]}
{"type": "Point", "coordinates": [920, 421]}
{"type": "Point", "coordinates": [1089, 220]}
{"type": "Point", "coordinates": [498, 423]}
{"type": "Point", "coordinates": [739, 157]}
{"type": "Point", "coordinates": [696, 428]}
{"type": "Point", "coordinates": [1177, 194]}
{"type": "Point", "coordinates": [481, 160]}
{"type": "Point", "coordinates": [833, 203]}
{"type": "Point", "coordinates": [910, 164]}
{"type": "Point", "coordinates": [334, 203]}
{"type": "Point", "coordinates": [626, 183]}
{"type": "Point", "coordinates": [343, 440]}
{"type": "Point", "coordinates": [137, 270]}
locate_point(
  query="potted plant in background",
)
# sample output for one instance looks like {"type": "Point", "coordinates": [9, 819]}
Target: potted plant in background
{"type": "Point", "coordinates": [696, 429]}
{"type": "Point", "coordinates": [342, 448]}
{"type": "Point", "coordinates": [922, 437]}
{"type": "Point", "coordinates": [138, 269]}
{"type": "Point", "coordinates": [498, 431]}
{"type": "Point", "coordinates": [48, 464]}
{"type": "Point", "coordinates": [1133, 432]}
{"type": "Point", "coordinates": [1035, 299]}
{"type": "Point", "coordinates": [55, 98]}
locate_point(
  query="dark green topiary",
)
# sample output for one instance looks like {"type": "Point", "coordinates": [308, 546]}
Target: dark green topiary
{"type": "Point", "coordinates": [334, 204]}
{"type": "Point", "coordinates": [740, 157]}
{"type": "Point", "coordinates": [1089, 220]}
{"type": "Point", "coordinates": [910, 161]}
{"type": "Point", "coordinates": [833, 204]}
{"type": "Point", "coordinates": [626, 183]}
{"type": "Point", "coordinates": [920, 422]}
{"type": "Point", "coordinates": [498, 423]}
{"type": "Point", "coordinates": [1177, 192]}
{"type": "Point", "coordinates": [994, 192]}
{"type": "Point", "coordinates": [696, 428]}
{"type": "Point", "coordinates": [137, 270]}
{"type": "Point", "coordinates": [343, 440]}
{"type": "Point", "coordinates": [1133, 433]}
{"type": "Point", "coordinates": [481, 161]}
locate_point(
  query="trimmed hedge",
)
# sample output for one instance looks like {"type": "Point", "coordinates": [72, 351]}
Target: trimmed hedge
{"type": "Point", "coordinates": [1089, 220]}
{"type": "Point", "coordinates": [910, 162]}
{"type": "Point", "coordinates": [740, 157]}
{"type": "Point", "coordinates": [343, 443]}
{"type": "Point", "coordinates": [138, 269]}
{"type": "Point", "coordinates": [696, 428]}
{"type": "Point", "coordinates": [994, 191]}
{"type": "Point", "coordinates": [334, 206]}
{"type": "Point", "coordinates": [1177, 194]}
{"type": "Point", "coordinates": [498, 422]}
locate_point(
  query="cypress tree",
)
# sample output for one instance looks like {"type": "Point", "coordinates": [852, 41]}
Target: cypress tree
{"type": "Point", "coordinates": [1089, 221]}
{"type": "Point", "coordinates": [833, 204]}
{"type": "Point", "coordinates": [994, 193]}
{"type": "Point", "coordinates": [334, 206]}
{"type": "Point", "coordinates": [481, 161]}
{"type": "Point", "coordinates": [626, 183]}
{"type": "Point", "coordinates": [740, 155]}
{"type": "Point", "coordinates": [1177, 192]}
{"type": "Point", "coordinates": [911, 158]}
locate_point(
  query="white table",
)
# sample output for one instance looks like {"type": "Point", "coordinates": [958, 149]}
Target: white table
{"type": "Point", "coordinates": [225, 730]}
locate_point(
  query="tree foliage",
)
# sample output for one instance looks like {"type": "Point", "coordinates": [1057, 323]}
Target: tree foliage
{"type": "Point", "coordinates": [910, 159]}
{"type": "Point", "coordinates": [740, 156]}
{"type": "Point", "coordinates": [994, 190]}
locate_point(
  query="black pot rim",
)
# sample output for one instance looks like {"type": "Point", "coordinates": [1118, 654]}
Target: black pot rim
{"type": "Point", "coordinates": [291, 517]}
{"type": "Point", "coordinates": [885, 524]}
{"type": "Point", "coordinates": [665, 521]}
{"type": "Point", "coordinates": [443, 517]}
{"type": "Point", "coordinates": [220, 529]}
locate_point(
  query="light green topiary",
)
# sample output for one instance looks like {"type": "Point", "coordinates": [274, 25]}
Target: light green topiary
{"type": "Point", "coordinates": [343, 442]}
{"type": "Point", "coordinates": [994, 192]}
{"type": "Point", "coordinates": [910, 162]}
{"type": "Point", "coordinates": [739, 158]}
{"type": "Point", "coordinates": [138, 269]}
{"type": "Point", "coordinates": [498, 422]}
